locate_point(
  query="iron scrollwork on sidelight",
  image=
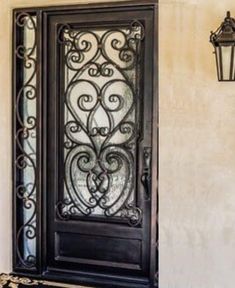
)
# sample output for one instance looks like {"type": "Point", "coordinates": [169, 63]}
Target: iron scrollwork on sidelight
{"type": "Point", "coordinates": [25, 135]}
{"type": "Point", "coordinates": [101, 130]}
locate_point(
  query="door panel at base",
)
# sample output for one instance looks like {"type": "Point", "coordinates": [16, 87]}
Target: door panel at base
{"type": "Point", "coordinates": [99, 91]}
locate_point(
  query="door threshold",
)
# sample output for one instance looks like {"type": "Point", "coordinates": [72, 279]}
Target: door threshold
{"type": "Point", "coordinates": [96, 280]}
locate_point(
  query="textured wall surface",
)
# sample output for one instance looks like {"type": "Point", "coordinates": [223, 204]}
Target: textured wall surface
{"type": "Point", "coordinates": [197, 149]}
{"type": "Point", "coordinates": [197, 146]}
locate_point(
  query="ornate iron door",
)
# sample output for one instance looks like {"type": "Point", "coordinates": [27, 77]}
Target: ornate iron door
{"type": "Point", "coordinates": [99, 141]}
{"type": "Point", "coordinates": [94, 164]}
{"type": "Point", "coordinates": [85, 125]}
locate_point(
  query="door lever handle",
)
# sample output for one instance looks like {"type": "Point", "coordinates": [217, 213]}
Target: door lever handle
{"type": "Point", "coordinates": [146, 175]}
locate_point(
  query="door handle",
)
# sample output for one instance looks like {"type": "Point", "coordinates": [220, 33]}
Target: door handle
{"type": "Point", "coordinates": [146, 175]}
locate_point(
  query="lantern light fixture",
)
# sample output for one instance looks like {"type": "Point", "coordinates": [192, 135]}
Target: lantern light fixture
{"type": "Point", "coordinates": [223, 40]}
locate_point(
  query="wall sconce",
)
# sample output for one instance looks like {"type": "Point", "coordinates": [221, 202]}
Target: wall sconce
{"type": "Point", "coordinates": [223, 40]}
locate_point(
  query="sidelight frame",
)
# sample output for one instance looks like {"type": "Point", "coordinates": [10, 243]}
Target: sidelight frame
{"type": "Point", "coordinates": [18, 266]}
{"type": "Point", "coordinates": [39, 270]}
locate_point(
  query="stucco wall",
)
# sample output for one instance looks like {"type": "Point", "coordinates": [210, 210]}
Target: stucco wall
{"type": "Point", "coordinates": [197, 150]}
{"type": "Point", "coordinates": [197, 146]}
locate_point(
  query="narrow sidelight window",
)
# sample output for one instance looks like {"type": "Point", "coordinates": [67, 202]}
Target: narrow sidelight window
{"type": "Point", "coordinates": [25, 139]}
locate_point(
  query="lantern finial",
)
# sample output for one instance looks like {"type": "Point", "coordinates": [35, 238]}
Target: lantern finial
{"type": "Point", "coordinates": [228, 14]}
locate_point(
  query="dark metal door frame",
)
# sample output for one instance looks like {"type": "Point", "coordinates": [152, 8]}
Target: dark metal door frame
{"type": "Point", "coordinates": [39, 269]}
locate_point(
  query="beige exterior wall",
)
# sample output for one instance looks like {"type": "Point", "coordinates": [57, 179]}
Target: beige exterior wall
{"type": "Point", "coordinates": [197, 150]}
{"type": "Point", "coordinates": [197, 146]}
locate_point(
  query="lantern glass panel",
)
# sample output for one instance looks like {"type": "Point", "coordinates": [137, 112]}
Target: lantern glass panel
{"type": "Point", "coordinates": [226, 52]}
{"type": "Point", "coordinates": [218, 62]}
{"type": "Point", "coordinates": [233, 63]}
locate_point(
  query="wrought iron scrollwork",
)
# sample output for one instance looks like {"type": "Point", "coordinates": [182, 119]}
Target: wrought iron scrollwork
{"type": "Point", "coordinates": [25, 135]}
{"type": "Point", "coordinates": [101, 94]}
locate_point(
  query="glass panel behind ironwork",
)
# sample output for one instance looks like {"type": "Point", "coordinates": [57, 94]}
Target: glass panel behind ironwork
{"type": "Point", "coordinates": [25, 134]}
{"type": "Point", "coordinates": [101, 98]}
